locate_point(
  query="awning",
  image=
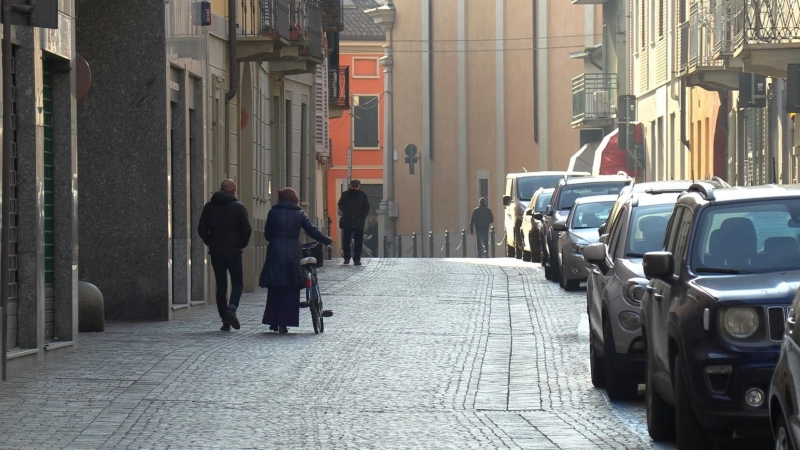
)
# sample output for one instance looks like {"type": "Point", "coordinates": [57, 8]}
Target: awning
{"type": "Point", "coordinates": [609, 159]}
{"type": "Point", "coordinates": [583, 159]}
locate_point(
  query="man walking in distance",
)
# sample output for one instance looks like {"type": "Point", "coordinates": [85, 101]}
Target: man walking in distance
{"type": "Point", "coordinates": [225, 228]}
{"type": "Point", "coordinates": [480, 222]}
{"type": "Point", "coordinates": [354, 205]}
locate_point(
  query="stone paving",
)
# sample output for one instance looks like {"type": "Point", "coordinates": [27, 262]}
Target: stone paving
{"type": "Point", "coordinates": [419, 354]}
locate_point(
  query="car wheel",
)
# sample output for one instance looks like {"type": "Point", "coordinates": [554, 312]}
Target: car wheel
{"type": "Point", "coordinates": [526, 256]}
{"type": "Point", "coordinates": [510, 251]}
{"type": "Point", "coordinates": [595, 364]}
{"type": "Point", "coordinates": [660, 416]}
{"type": "Point", "coordinates": [520, 246]}
{"type": "Point", "coordinates": [781, 433]}
{"type": "Point", "coordinates": [542, 257]}
{"type": "Point", "coordinates": [554, 267]}
{"type": "Point", "coordinates": [562, 276]}
{"type": "Point", "coordinates": [619, 385]}
{"type": "Point", "coordinates": [688, 431]}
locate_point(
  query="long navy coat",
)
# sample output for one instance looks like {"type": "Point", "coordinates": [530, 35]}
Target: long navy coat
{"type": "Point", "coordinates": [282, 231]}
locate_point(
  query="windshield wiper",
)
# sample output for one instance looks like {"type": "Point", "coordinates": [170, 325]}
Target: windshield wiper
{"type": "Point", "coordinates": [719, 270]}
{"type": "Point", "coordinates": [636, 255]}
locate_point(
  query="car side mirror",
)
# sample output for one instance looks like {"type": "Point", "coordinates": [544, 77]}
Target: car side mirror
{"type": "Point", "coordinates": [506, 200]}
{"type": "Point", "coordinates": [548, 210]}
{"type": "Point", "coordinates": [603, 239]}
{"type": "Point", "coordinates": [560, 225]}
{"type": "Point", "coordinates": [658, 265]}
{"type": "Point", "coordinates": [538, 216]}
{"type": "Point", "coordinates": [596, 254]}
{"type": "Point", "coordinates": [602, 229]}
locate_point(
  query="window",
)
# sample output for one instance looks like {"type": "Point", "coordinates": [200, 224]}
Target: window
{"type": "Point", "coordinates": [483, 188]}
{"type": "Point", "coordinates": [647, 229]}
{"type": "Point", "coordinates": [288, 137]}
{"type": "Point", "coordinates": [569, 194]}
{"type": "Point", "coordinates": [661, 18]}
{"type": "Point", "coordinates": [365, 121]}
{"type": "Point", "coordinates": [527, 186]}
{"type": "Point", "coordinates": [615, 234]}
{"type": "Point", "coordinates": [680, 237]}
{"type": "Point", "coordinates": [303, 149]}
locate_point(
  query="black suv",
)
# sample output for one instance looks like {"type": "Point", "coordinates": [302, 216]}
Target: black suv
{"type": "Point", "coordinates": [713, 315]}
{"type": "Point", "coordinates": [562, 201]}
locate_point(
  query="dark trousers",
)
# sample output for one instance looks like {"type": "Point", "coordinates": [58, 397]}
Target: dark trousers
{"type": "Point", "coordinates": [224, 263]}
{"type": "Point", "coordinates": [483, 243]}
{"type": "Point", "coordinates": [349, 234]}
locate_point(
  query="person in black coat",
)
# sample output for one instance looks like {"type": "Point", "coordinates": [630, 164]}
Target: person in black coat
{"type": "Point", "coordinates": [225, 228]}
{"type": "Point", "coordinates": [354, 206]}
{"type": "Point", "coordinates": [482, 219]}
{"type": "Point", "coordinates": [282, 274]}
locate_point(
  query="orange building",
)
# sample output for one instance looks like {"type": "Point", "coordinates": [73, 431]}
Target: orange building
{"type": "Point", "coordinates": [360, 49]}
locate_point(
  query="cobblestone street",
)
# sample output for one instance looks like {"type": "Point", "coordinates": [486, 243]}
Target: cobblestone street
{"type": "Point", "coordinates": [419, 354]}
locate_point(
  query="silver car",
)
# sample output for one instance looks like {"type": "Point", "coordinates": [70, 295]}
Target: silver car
{"type": "Point", "coordinates": [576, 232]}
{"type": "Point", "coordinates": [615, 288]}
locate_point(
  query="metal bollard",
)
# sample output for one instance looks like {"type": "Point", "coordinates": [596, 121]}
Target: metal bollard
{"type": "Point", "coordinates": [446, 244]}
{"type": "Point", "coordinates": [430, 237]}
{"type": "Point", "coordinates": [464, 243]}
{"type": "Point", "coordinates": [414, 243]}
{"type": "Point", "coordinates": [399, 245]}
{"type": "Point", "coordinates": [492, 243]}
{"type": "Point", "coordinates": [385, 246]}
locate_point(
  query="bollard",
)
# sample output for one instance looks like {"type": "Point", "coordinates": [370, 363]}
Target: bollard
{"type": "Point", "coordinates": [414, 243]}
{"type": "Point", "coordinates": [464, 243]}
{"type": "Point", "coordinates": [385, 246]}
{"type": "Point", "coordinates": [492, 242]}
{"type": "Point", "coordinates": [399, 245]}
{"type": "Point", "coordinates": [430, 237]}
{"type": "Point", "coordinates": [446, 244]}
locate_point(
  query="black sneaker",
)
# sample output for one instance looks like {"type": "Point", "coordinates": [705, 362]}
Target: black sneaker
{"type": "Point", "coordinates": [234, 321]}
{"type": "Point", "coordinates": [273, 328]}
{"type": "Point", "coordinates": [225, 327]}
{"type": "Point", "coordinates": [284, 330]}
{"type": "Point", "coordinates": [357, 263]}
{"type": "Point", "coordinates": [346, 262]}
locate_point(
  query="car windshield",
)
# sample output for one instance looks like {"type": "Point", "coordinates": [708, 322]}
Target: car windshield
{"type": "Point", "coordinates": [752, 237]}
{"type": "Point", "coordinates": [571, 193]}
{"type": "Point", "coordinates": [542, 201]}
{"type": "Point", "coordinates": [527, 186]}
{"type": "Point", "coordinates": [590, 215]}
{"type": "Point", "coordinates": [647, 229]}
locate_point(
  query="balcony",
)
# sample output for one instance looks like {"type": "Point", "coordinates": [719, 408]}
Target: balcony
{"type": "Point", "coordinates": [332, 18]}
{"type": "Point", "coordinates": [703, 47]}
{"type": "Point", "coordinates": [594, 100]}
{"type": "Point", "coordinates": [287, 33]}
{"type": "Point", "coordinates": [766, 35]}
{"type": "Point", "coordinates": [339, 89]}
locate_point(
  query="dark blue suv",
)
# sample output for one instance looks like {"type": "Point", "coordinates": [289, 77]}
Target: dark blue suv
{"type": "Point", "coordinates": [713, 316]}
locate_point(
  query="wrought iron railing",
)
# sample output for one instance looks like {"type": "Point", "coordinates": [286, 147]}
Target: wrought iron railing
{"type": "Point", "coordinates": [594, 96]}
{"type": "Point", "coordinates": [339, 87]}
{"type": "Point", "coordinates": [313, 28]}
{"type": "Point", "coordinates": [265, 18]}
{"type": "Point", "coordinates": [332, 18]}
{"type": "Point", "coordinates": [701, 21]}
{"type": "Point", "coordinates": [766, 22]}
{"type": "Point", "coordinates": [723, 27]}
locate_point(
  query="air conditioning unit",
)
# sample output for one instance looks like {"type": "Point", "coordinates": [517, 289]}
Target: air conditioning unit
{"type": "Point", "coordinates": [602, 105]}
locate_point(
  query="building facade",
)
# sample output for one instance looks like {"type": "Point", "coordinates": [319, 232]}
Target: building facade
{"type": "Point", "coordinates": [41, 314]}
{"type": "Point", "coordinates": [360, 121]}
{"type": "Point", "coordinates": [478, 88]}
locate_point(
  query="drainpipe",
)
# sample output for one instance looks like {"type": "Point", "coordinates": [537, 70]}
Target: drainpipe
{"type": "Point", "coordinates": [233, 63]}
{"type": "Point", "coordinates": [430, 77]}
{"type": "Point", "coordinates": [684, 140]}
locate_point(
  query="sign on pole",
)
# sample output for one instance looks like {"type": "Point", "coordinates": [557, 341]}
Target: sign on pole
{"type": "Point", "coordinates": [411, 157]}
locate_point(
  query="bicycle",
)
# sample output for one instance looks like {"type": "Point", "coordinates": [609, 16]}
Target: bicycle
{"type": "Point", "coordinates": [313, 294]}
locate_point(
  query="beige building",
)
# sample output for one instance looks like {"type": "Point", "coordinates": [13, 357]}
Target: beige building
{"type": "Point", "coordinates": [482, 89]}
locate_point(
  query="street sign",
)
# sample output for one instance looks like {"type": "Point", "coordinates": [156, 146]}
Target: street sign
{"type": "Point", "coordinates": [34, 13]}
{"type": "Point", "coordinates": [411, 157]}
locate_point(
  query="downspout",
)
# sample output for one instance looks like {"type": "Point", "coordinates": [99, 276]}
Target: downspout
{"type": "Point", "coordinates": [430, 78]}
{"type": "Point", "coordinates": [233, 63]}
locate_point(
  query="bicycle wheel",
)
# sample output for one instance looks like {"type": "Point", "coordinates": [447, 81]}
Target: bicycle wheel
{"type": "Point", "coordinates": [313, 303]}
{"type": "Point", "coordinates": [319, 305]}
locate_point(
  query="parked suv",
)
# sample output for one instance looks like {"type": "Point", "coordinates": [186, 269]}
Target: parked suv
{"type": "Point", "coordinates": [713, 313]}
{"type": "Point", "coordinates": [520, 188]}
{"type": "Point", "coordinates": [784, 393]}
{"type": "Point", "coordinates": [532, 222]}
{"type": "Point", "coordinates": [564, 196]}
{"type": "Point", "coordinates": [616, 285]}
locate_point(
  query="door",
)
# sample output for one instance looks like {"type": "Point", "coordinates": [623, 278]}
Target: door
{"type": "Point", "coordinates": [49, 260]}
{"type": "Point", "coordinates": [600, 280]}
{"type": "Point", "coordinates": [793, 363]}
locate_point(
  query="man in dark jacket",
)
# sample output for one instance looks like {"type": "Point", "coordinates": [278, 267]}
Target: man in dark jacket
{"type": "Point", "coordinates": [480, 222]}
{"type": "Point", "coordinates": [225, 228]}
{"type": "Point", "coordinates": [354, 206]}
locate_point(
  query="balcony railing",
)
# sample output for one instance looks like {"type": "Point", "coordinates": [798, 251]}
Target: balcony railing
{"type": "Point", "coordinates": [723, 27]}
{"type": "Point", "coordinates": [594, 97]}
{"type": "Point", "coordinates": [311, 15]}
{"type": "Point", "coordinates": [766, 22]}
{"type": "Point", "coordinates": [339, 87]}
{"type": "Point", "coordinates": [701, 43]}
{"type": "Point", "coordinates": [332, 19]}
{"type": "Point", "coordinates": [264, 18]}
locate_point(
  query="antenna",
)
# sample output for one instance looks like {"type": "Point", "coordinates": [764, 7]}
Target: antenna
{"type": "Point", "coordinates": [523, 168]}
{"type": "Point", "coordinates": [693, 176]}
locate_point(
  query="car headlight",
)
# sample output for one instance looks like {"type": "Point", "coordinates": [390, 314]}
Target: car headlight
{"type": "Point", "coordinates": [577, 248]}
{"type": "Point", "coordinates": [633, 292]}
{"type": "Point", "coordinates": [740, 323]}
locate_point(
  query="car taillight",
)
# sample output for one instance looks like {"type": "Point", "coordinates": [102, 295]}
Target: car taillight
{"type": "Point", "coordinates": [308, 283]}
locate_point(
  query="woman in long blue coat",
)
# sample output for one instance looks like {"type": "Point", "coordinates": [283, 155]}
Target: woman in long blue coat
{"type": "Point", "coordinates": [282, 274]}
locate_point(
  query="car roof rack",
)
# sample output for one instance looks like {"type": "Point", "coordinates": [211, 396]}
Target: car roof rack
{"type": "Point", "coordinates": [665, 191]}
{"type": "Point", "coordinates": [705, 189]}
{"type": "Point", "coordinates": [622, 173]}
{"type": "Point", "coordinates": [721, 181]}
